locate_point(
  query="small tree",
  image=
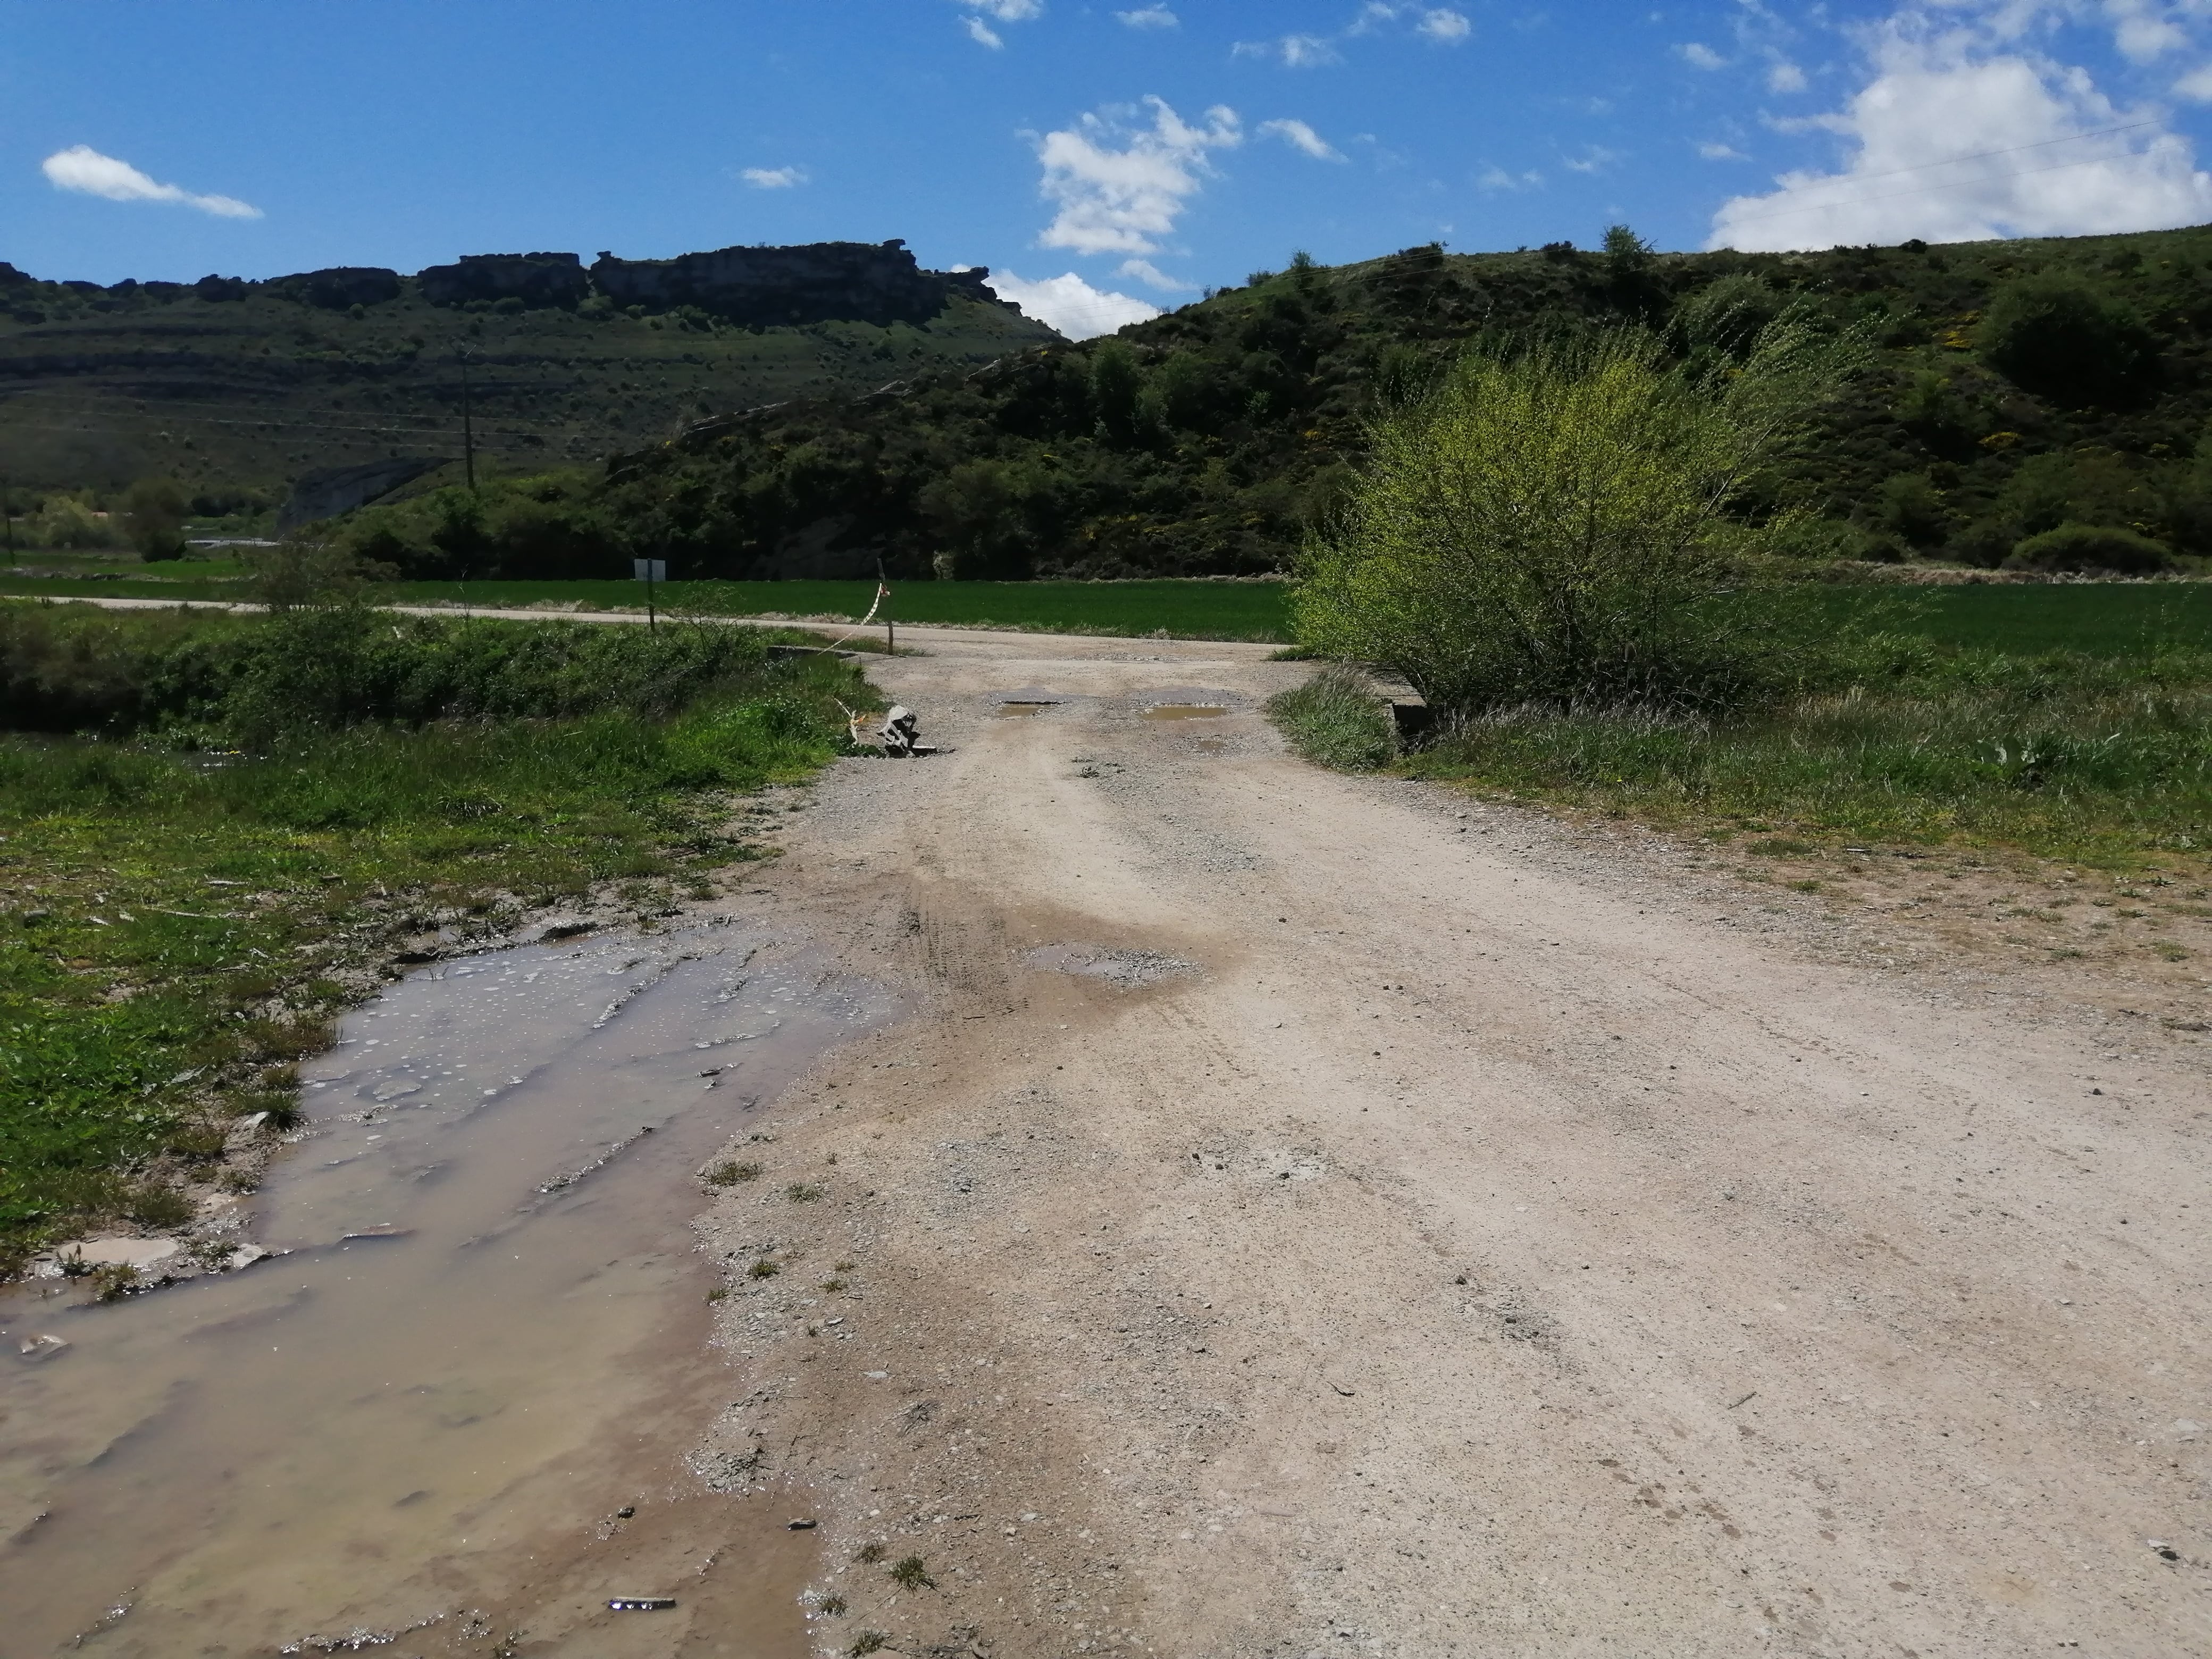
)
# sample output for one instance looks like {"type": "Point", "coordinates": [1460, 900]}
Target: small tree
{"type": "Point", "coordinates": [309, 571]}
{"type": "Point", "coordinates": [1548, 525]}
{"type": "Point", "coordinates": [154, 518]}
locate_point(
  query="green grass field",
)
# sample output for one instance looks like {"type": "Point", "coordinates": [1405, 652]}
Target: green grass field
{"type": "Point", "coordinates": [2107, 619]}
{"type": "Point", "coordinates": [2071, 723]}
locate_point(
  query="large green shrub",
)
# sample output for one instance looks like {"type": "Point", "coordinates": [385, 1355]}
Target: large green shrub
{"type": "Point", "coordinates": [1547, 525]}
{"type": "Point", "coordinates": [2079, 547]}
{"type": "Point", "coordinates": [2059, 335]}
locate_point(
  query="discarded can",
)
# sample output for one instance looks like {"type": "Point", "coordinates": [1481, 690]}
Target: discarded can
{"type": "Point", "coordinates": [642, 1603]}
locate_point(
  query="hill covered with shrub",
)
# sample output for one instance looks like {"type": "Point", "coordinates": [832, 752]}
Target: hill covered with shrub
{"type": "Point", "coordinates": [2022, 392]}
{"type": "Point", "coordinates": [232, 389]}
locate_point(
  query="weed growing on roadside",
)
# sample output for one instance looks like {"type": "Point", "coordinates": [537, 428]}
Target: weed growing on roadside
{"type": "Point", "coordinates": [909, 1572]}
{"type": "Point", "coordinates": [729, 1173]}
{"type": "Point", "coordinates": [834, 1606]}
{"type": "Point", "coordinates": [868, 1554]}
{"type": "Point", "coordinates": [868, 1641]}
{"type": "Point", "coordinates": [764, 1268]}
{"type": "Point", "coordinates": [799, 1193]}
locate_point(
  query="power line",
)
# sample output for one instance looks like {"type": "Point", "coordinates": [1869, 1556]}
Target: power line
{"type": "Point", "coordinates": [1956, 184]}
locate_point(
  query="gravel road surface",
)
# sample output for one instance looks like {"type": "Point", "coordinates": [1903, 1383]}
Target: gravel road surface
{"type": "Point", "coordinates": [1312, 1215]}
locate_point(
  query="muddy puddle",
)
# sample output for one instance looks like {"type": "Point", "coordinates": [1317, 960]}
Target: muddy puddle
{"type": "Point", "coordinates": [1016, 711]}
{"type": "Point", "coordinates": [1185, 711]}
{"type": "Point", "coordinates": [416, 1429]}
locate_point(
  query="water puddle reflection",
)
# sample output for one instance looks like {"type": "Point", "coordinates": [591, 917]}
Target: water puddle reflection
{"type": "Point", "coordinates": [1185, 711]}
{"type": "Point", "coordinates": [487, 1337]}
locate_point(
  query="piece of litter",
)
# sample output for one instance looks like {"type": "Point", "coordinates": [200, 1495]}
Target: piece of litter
{"type": "Point", "coordinates": [642, 1603]}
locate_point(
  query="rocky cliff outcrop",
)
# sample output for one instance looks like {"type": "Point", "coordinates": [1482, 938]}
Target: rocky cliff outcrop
{"type": "Point", "coordinates": [341, 286]}
{"type": "Point", "coordinates": [877, 282]}
{"type": "Point", "coordinates": [536, 279]}
{"type": "Point", "coordinates": [761, 287]}
{"type": "Point", "coordinates": [856, 281]}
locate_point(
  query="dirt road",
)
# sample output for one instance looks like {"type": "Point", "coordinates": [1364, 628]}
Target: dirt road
{"type": "Point", "coordinates": [1312, 1215]}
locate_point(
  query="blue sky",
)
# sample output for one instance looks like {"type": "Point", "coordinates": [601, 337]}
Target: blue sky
{"type": "Point", "coordinates": [1106, 159]}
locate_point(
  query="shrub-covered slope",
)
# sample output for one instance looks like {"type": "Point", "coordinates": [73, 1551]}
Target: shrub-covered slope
{"type": "Point", "coordinates": [2019, 388]}
{"type": "Point", "coordinates": [236, 388]}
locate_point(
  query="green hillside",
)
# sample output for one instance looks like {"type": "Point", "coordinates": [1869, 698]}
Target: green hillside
{"type": "Point", "coordinates": [2051, 393]}
{"type": "Point", "coordinates": [2019, 385]}
{"type": "Point", "coordinates": [235, 390]}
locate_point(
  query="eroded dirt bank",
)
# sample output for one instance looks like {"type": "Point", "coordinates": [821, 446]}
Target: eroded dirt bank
{"type": "Point", "coordinates": [1310, 1215]}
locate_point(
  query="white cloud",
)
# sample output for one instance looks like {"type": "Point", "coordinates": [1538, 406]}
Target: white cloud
{"type": "Point", "coordinates": [1298, 134]}
{"type": "Point", "coordinates": [1006, 11]}
{"type": "Point", "coordinates": [1699, 56]}
{"type": "Point", "coordinates": [1443, 24]}
{"type": "Point", "coordinates": [85, 170]}
{"type": "Point", "coordinates": [1497, 178]}
{"type": "Point", "coordinates": [1952, 145]}
{"type": "Point", "coordinates": [1595, 158]}
{"type": "Point", "coordinates": [1721, 153]}
{"type": "Point", "coordinates": [1071, 305]}
{"type": "Point", "coordinates": [2142, 31]}
{"type": "Point", "coordinates": [2196, 85]}
{"type": "Point", "coordinates": [1294, 50]}
{"type": "Point", "coordinates": [1782, 75]}
{"type": "Point", "coordinates": [774, 178]}
{"type": "Point", "coordinates": [1121, 188]}
{"type": "Point", "coordinates": [1153, 276]}
{"type": "Point", "coordinates": [1150, 17]}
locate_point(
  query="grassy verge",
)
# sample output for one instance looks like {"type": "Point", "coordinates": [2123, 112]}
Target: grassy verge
{"type": "Point", "coordinates": [2098, 759]}
{"type": "Point", "coordinates": [1336, 719]}
{"type": "Point", "coordinates": [180, 925]}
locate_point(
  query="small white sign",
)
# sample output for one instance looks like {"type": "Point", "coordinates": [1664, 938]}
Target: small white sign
{"type": "Point", "coordinates": [649, 570]}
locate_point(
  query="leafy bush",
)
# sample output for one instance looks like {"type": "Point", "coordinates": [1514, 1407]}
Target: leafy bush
{"type": "Point", "coordinates": [1546, 527]}
{"type": "Point", "coordinates": [2059, 335]}
{"type": "Point", "coordinates": [2079, 547]}
{"type": "Point", "coordinates": [66, 523]}
{"type": "Point", "coordinates": [549, 526]}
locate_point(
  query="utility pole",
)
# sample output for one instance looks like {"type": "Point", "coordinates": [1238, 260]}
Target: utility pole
{"type": "Point", "coordinates": [468, 426]}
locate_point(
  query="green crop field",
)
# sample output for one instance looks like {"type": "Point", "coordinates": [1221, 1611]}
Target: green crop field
{"type": "Point", "coordinates": [2101, 619]}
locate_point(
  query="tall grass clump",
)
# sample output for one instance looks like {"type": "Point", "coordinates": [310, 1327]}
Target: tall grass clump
{"type": "Point", "coordinates": [1550, 525]}
{"type": "Point", "coordinates": [1336, 719]}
